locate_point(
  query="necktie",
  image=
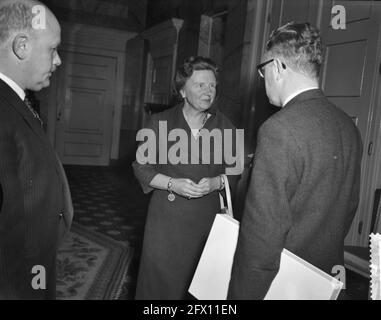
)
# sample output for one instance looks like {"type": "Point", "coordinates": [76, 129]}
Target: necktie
{"type": "Point", "coordinates": [29, 104]}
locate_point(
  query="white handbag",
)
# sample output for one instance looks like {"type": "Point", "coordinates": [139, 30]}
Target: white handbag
{"type": "Point", "coordinates": [211, 279]}
{"type": "Point", "coordinates": [296, 280]}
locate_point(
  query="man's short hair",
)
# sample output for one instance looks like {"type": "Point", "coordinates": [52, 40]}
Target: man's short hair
{"type": "Point", "coordinates": [15, 17]}
{"type": "Point", "coordinates": [299, 44]}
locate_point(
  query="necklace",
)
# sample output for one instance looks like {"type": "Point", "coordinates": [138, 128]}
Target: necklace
{"type": "Point", "coordinates": [205, 118]}
{"type": "Point", "coordinates": [202, 125]}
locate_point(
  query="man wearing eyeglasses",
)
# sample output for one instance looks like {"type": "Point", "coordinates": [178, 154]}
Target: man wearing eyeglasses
{"type": "Point", "coordinates": [305, 182]}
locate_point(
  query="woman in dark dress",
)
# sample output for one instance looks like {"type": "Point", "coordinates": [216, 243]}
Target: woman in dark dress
{"type": "Point", "coordinates": [185, 187]}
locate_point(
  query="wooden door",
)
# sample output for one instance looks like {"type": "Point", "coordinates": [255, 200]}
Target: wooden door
{"type": "Point", "coordinates": [284, 11]}
{"type": "Point", "coordinates": [85, 106]}
{"type": "Point", "coordinates": [348, 80]}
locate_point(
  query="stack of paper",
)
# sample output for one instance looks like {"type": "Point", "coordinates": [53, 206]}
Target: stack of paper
{"type": "Point", "coordinates": [296, 280]}
{"type": "Point", "coordinates": [299, 280]}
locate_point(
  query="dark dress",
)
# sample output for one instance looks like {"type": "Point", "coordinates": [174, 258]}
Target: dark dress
{"type": "Point", "coordinates": [175, 232]}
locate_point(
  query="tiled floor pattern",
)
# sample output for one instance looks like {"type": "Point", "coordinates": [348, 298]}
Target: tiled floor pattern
{"type": "Point", "coordinates": [109, 200]}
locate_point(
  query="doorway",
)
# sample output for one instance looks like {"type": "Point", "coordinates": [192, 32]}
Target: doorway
{"type": "Point", "coordinates": [85, 108]}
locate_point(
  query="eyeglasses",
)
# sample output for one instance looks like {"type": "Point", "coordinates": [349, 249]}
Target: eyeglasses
{"type": "Point", "coordinates": [261, 66]}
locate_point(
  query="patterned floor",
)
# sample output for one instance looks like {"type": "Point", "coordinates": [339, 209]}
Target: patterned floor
{"type": "Point", "coordinates": [109, 200]}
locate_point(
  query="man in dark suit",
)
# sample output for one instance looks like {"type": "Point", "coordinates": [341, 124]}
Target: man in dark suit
{"type": "Point", "coordinates": [304, 188]}
{"type": "Point", "coordinates": [36, 209]}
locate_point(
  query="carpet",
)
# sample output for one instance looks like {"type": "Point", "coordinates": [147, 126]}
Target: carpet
{"type": "Point", "coordinates": [91, 266]}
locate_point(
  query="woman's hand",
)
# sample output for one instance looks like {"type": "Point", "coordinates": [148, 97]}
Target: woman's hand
{"type": "Point", "coordinates": [187, 188]}
{"type": "Point", "coordinates": [208, 185]}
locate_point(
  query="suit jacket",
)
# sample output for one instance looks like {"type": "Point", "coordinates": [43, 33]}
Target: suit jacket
{"type": "Point", "coordinates": [36, 209]}
{"type": "Point", "coordinates": [303, 193]}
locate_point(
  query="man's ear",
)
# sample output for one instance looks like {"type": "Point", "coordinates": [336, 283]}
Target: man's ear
{"type": "Point", "coordinates": [279, 69]}
{"type": "Point", "coordinates": [20, 46]}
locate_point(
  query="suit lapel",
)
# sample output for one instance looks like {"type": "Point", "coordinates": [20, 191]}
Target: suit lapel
{"type": "Point", "coordinates": [14, 101]}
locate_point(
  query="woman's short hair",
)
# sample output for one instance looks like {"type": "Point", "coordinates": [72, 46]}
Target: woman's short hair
{"type": "Point", "coordinates": [185, 71]}
{"type": "Point", "coordinates": [299, 44]}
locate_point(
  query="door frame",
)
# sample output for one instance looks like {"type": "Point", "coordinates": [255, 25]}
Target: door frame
{"type": "Point", "coordinates": [108, 42]}
{"type": "Point", "coordinates": [257, 30]}
{"type": "Point", "coordinates": [163, 41]}
{"type": "Point", "coordinates": [375, 137]}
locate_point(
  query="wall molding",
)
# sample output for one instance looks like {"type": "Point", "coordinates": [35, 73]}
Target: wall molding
{"type": "Point", "coordinates": [95, 37]}
{"type": "Point", "coordinates": [167, 28]}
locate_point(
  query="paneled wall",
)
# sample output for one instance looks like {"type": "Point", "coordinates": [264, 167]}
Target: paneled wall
{"type": "Point", "coordinates": [133, 97]}
{"type": "Point", "coordinates": [162, 10]}
{"type": "Point", "coordinates": [232, 59]}
{"type": "Point", "coordinates": [116, 14]}
{"type": "Point", "coordinates": [120, 14]}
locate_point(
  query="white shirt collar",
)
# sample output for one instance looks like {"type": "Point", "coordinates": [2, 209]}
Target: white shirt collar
{"type": "Point", "coordinates": [16, 88]}
{"type": "Point", "coordinates": [291, 96]}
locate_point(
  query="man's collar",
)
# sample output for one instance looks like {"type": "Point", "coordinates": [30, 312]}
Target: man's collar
{"type": "Point", "coordinates": [16, 88]}
{"type": "Point", "coordinates": [296, 93]}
